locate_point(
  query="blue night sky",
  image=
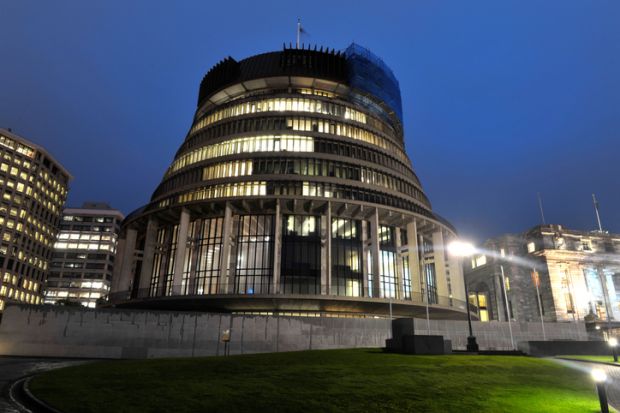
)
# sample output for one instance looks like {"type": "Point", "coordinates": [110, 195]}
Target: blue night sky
{"type": "Point", "coordinates": [502, 99]}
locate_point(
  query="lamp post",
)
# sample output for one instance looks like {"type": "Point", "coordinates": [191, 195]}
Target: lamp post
{"type": "Point", "coordinates": [508, 313]}
{"type": "Point", "coordinates": [613, 343]}
{"type": "Point", "coordinates": [463, 249]}
{"type": "Point", "coordinates": [599, 378]}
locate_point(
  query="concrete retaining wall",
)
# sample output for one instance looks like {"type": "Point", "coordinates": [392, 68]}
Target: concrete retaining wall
{"type": "Point", "coordinates": [495, 335]}
{"type": "Point", "coordinates": [111, 333]}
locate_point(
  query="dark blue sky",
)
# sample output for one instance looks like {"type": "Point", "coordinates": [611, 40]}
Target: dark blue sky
{"type": "Point", "coordinates": [502, 99]}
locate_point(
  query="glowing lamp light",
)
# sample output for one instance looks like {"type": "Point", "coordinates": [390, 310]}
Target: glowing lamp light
{"type": "Point", "coordinates": [598, 375]}
{"type": "Point", "coordinates": [613, 342]}
{"type": "Point", "coordinates": [461, 249]}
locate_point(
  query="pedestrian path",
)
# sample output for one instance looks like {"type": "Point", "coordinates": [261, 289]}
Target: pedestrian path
{"type": "Point", "coordinates": [13, 368]}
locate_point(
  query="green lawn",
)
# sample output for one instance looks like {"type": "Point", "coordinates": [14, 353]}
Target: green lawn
{"type": "Point", "coordinates": [606, 359]}
{"type": "Point", "coordinates": [321, 381]}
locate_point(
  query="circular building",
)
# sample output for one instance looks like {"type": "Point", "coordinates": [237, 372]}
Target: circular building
{"type": "Point", "coordinates": [292, 194]}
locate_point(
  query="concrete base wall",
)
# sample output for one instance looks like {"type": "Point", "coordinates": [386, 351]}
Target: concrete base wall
{"type": "Point", "coordinates": [75, 332]}
{"type": "Point", "coordinates": [564, 348]}
{"type": "Point", "coordinates": [495, 335]}
{"type": "Point", "coordinates": [111, 333]}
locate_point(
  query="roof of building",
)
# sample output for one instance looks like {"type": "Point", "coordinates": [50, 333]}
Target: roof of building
{"type": "Point", "coordinates": [356, 67]}
{"type": "Point", "coordinates": [10, 134]}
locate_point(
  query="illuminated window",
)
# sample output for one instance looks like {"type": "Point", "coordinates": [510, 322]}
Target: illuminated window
{"type": "Point", "coordinates": [284, 104]}
{"type": "Point", "coordinates": [531, 247]}
{"type": "Point", "coordinates": [225, 191]}
{"type": "Point", "coordinates": [227, 169]}
{"type": "Point", "coordinates": [267, 143]}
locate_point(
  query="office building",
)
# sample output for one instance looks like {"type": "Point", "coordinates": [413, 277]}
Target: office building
{"type": "Point", "coordinates": [34, 189]}
{"type": "Point", "coordinates": [83, 259]}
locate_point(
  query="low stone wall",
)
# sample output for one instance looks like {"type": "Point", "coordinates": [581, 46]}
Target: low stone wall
{"type": "Point", "coordinates": [110, 333]}
{"type": "Point", "coordinates": [495, 335]}
{"type": "Point", "coordinates": [565, 348]}
{"type": "Point", "coordinates": [53, 331]}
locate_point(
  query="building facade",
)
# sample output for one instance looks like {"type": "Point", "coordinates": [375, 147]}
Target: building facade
{"type": "Point", "coordinates": [549, 271]}
{"type": "Point", "coordinates": [84, 254]}
{"type": "Point", "coordinates": [292, 194]}
{"type": "Point", "coordinates": [34, 189]}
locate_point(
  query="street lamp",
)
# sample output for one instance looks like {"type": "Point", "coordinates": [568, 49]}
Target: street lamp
{"type": "Point", "coordinates": [465, 249]}
{"type": "Point", "coordinates": [613, 343]}
{"type": "Point", "coordinates": [599, 377]}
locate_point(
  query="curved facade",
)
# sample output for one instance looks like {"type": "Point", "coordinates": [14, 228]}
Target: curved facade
{"type": "Point", "coordinates": [291, 194]}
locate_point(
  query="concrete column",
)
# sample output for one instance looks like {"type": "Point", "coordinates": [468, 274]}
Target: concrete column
{"type": "Point", "coordinates": [423, 286]}
{"type": "Point", "coordinates": [179, 257]}
{"type": "Point", "coordinates": [326, 251]}
{"type": "Point", "coordinates": [439, 253]}
{"type": "Point", "coordinates": [414, 260]}
{"type": "Point", "coordinates": [118, 267]}
{"type": "Point", "coordinates": [399, 265]}
{"type": "Point", "coordinates": [376, 255]}
{"type": "Point", "coordinates": [226, 279]}
{"type": "Point", "coordinates": [147, 260]}
{"type": "Point", "coordinates": [127, 261]}
{"type": "Point", "coordinates": [328, 246]}
{"type": "Point", "coordinates": [277, 249]}
{"type": "Point", "coordinates": [365, 249]}
{"type": "Point", "coordinates": [191, 288]}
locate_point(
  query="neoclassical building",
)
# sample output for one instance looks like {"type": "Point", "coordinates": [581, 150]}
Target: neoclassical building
{"type": "Point", "coordinates": [292, 194]}
{"type": "Point", "coordinates": [550, 272]}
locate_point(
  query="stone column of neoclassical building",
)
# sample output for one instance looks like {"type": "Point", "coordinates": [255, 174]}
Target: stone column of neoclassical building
{"type": "Point", "coordinates": [292, 194]}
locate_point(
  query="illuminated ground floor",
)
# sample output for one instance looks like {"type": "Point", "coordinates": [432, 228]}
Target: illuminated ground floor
{"type": "Point", "coordinates": [289, 256]}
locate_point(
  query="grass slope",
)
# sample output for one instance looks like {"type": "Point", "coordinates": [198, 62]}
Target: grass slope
{"type": "Point", "coordinates": [320, 381]}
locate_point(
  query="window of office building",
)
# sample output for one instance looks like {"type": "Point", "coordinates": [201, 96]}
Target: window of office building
{"type": "Point", "coordinates": [346, 257]}
{"type": "Point", "coordinates": [254, 265]}
{"type": "Point", "coordinates": [301, 255]}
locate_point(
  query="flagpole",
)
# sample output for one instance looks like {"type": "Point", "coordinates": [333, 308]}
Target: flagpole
{"type": "Point", "coordinates": [542, 213]}
{"type": "Point", "coordinates": [598, 217]}
{"type": "Point", "coordinates": [298, 31]}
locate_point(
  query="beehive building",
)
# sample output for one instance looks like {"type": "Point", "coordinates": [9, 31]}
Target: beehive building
{"type": "Point", "coordinates": [292, 194]}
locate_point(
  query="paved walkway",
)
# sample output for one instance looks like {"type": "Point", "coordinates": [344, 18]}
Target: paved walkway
{"type": "Point", "coordinates": [13, 368]}
{"type": "Point", "coordinates": [613, 378]}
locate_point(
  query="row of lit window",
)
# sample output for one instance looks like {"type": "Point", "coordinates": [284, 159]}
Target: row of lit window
{"type": "Point", "coordinates": [53, 182]}
{"type": "Point", "coordinates": [314, 189]}
{"type": "Point", "coordinates": [282, 105]}
{"type": "Point", "coordinates": [19, 228]}
{"type": "Point", "coordinates": [67, 294]}
{"type": "Point", "coordinates": [52, 193]}
{"type": "Point", "coordinates": [227, 169]}
{"type": "Point", "coordinates": [85, 236]}
{"type": "Point", "coordinates": [16, 146]}
{"type": "Point", "coordinates": [11, 224]}
{"type": "Point", "coordinates": [19, 295]}
{"type": "Point", "coordinates": [309, 168]}
{"type": "Point", "coordinates": [91, 246]}
{"type": "Point", "coordinates": [22, 214]}
{"type": "Point", "coordinates": [27, 284]}
{"type": "Point", "coordinates": [341, 129]}
{"type": "Point", "coordinates": [16, 160]}
{"type": "Point", "coordinates": [268, 143]}
{"type": "Point", "coordinates": [225, 191]}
